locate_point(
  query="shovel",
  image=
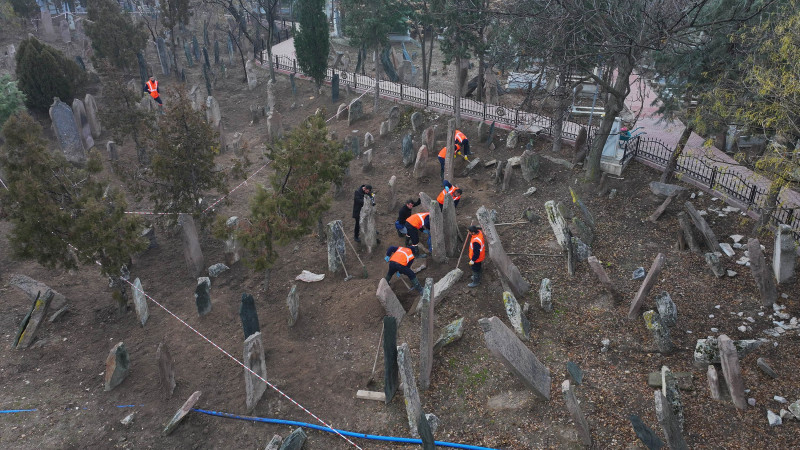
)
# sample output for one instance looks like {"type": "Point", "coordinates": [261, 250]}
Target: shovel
{"type": "Point", "coordinates": [347, 277]}
{"type": "Point", "coordinates": [375, 364]}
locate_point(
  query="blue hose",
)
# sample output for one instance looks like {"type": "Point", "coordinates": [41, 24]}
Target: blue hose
{"type": "Point", "coordinates": [13, 411]}
{"type": "Point", "coordinates": [342, 432]}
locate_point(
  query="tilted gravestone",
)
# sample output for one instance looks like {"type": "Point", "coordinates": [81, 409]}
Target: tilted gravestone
{"type": "Point", "coordinates": [416, 121]}
{"type": "Point", "coordinates": [498, 255]}
{"type": "Point", "coordinates": [513, 353]}
{"type": "Point", "coordinates": [213, 115]}
{"type": "Point", "coordinates": [293, 303]}
{"type": "Point", "coordinates": [521, 324]}
{"type": "Point", "coordinates": [761, 273]}
{"type": "Point", "coordinates": [438, 250]}
{"type": "Point", "coordinates": [30, 324]}
{"type": "Point", "coordinates": [784, 257]}
{"type": "Point", "coordinates": [546, 295]}
{"type": "Point", "coordinates": [368, 228]}
{"type": "Point", "coordinates": [91, 114]}
{"type": "Point", "coordinates": [232, 247]}
{"type": "Point", "coordinates": [368, 139]}
{"type": "Point", "coordinates": [250, 72]}
{"type": "Point", "coordinates": [82, 123]}
{"type": "Point", "coordinates": [140, 302]}
{"type": "Point", "coordinates": [166, 370]}
{"type": "Point", "coordinates": [557, 222]}
{"type": "Point", "coordinates": [192, 253]}
{"type": "Point", "coordinates": [67, 132]}
{"type": "Point", "coordinates": [669, 423]}
{"type": "Point", "coordinates": [666, 309]}
{"type": "Point", "coordinates": [118, 365]}
{"type": "Point", "coordinates": [701, 224]}
{"type": "Point", "coordinates": [163, 58]}
{"type": "Point", "coordinates": [421, 162]}
{"type": "Point", "coordinates": [450, 226]}
{"type": "Point", "coordinates": [275, 126]}
{"type": "Point", "coordinates": [732, 371]}
{"type": "Point", "coordinates": [188, 52]}
{"type": "Point", "coordinates": [255, 366]}
{"type": "Point", "coordinates": [660, 332]}
{"type": "Point", "coordinates": [271, 98]}
{"type": "Point", "coordinates": [336, 249]}
{"type": "Point", "coordinates": [451, 333]}
{"type": "Point", "coordinates": [391, 379]}
{"type": "Point", "coordinates": [355, 111]}
{"type": "Point", "coordinates": [202, 296]}
{"type": "Point", "coordinates": [426, 336]}
{"type": "Point", "coordinates": [575, 411]}
{"type": "Point", "coordinates": [645, 434]}
{"type": "Point", "coordinates": [429, 139]}
{"type": "Point", "coordinates": [529, 165]}
{"type": "Point", "coordinates": [248, 315]}
{"type": "Point", "coordinates": [647, 284]}
{"type": "Point", "coordinates": [181, 413]}
{"type": "Point", "coordinates": [408, 150]}
{"type": "Point", "coordinates": [394, 118]}
{"type": "Point", "coordinates": [410, 392]}
{"type": "Point", "coordinates": [445, 283]}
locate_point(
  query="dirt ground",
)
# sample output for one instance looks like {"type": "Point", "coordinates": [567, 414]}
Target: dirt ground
{"type": "Point", "coordinates": [327, 356]}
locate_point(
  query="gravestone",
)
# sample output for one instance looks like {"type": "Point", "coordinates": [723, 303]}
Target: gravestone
{"type": "Point", "coordinates": [645, 434]}
{"type": "Point", "coordinates": [661, 337]}
{"type": "Point", "coordinates": [426, 336]}
{"type": "Point", "coordinates": [712, 260]}
{"type": "Point", "coordinates": [140, 302]}
{"type": "Point", "coordinates": [408, 150]}
{"type": "Point", "coordinates": [450, 226]}
{"type": "Point", "coordinates": [438, 250]}
{"type": "Point", "coordinates": [355, 111]}
{"type": "Point", "coordinates": [449, 160]}
{"type": "Point", "coordinates": [336, 249]}
{"type": "Point", "coordinates": [483, 131]}
{"type": "Point", "coordinates": [669, 423]}
{"type": "Point", "coordinates": [188, 53]}
{"type": "Point", "coordinates": [78, 60]}
{"type": "Point", "coordinates": [118, 365]}
{"type": "Point", "coordinates": [784, 257]}
{"type": "Point", "coordinates": [391, 205]}
{"type": "Point", "coordinates": [429, 138]}
{"type": "Point", "coordinates": [354, 147]}
{"type": "Point", "coordinates": [416, 121]}
{"type": "Point", "coordinates": [518, 320]}
{"type": "Point", "coordinates": [30, 324]}
{"type": "Point", "coordinates": [498, 255]}
{"type": "Point", "coordinates": [706, 351]}
{"type": "Point", "coordinates": [161, 50]}
{"type": "Point", "coordinates": [230, 50]}
{"type": "Point", "coordinates": [384, 129]}
{"type": "Point", "coordinates": [248, 315]}
{"type": "Point", "coordinates": [47, 24]}
{"type": "Point", "coordinates": [368, 140]}
{"type": "Point", "coordinates": [451, 333]}
{"type": "Point", "coordinates": [250, 72]}
{"type": "Point", "coordinates": [255, 366]}
{"type": "Point", "coordinates": [166, 370]}
{"type": "Point", "coordinates": [512, 139]}
{"type": "Point", "coordinates": [67, 132]}
{"type": "Point", "coordinates": [705, 230]}
{"type": "Point", "coordinates": [216, 52]}
{"type": "Point", "coordinates": [575, 411]}
{"type": "Point", "coordinates": [192, 253]}
{"type": "Point", "coordinates": [529, 165]}
{"type": "Point", "coordinates": [670, 390]}
{"type": "Point", "coordinates": [508, 172]}
{"type": "Point", "coordinates": [425, 432]}
{"type": "Point", "coordinates": [275, 126]}
{"type": "Point", "coordinates": [575, 372]}
{"type": "Point", "coordinates": [66, 36]}
{"type": "Point", "coordinates": [91, 115]}
{"type": "Point", "coordinates": [271, 98]}
{"type": "Point", "coordinates": [410, 393]}
{"type": "Point", "coordinates": [274, 443]}
{"type": "Point", "coordinates": [341, 112]}
{"type": "Point", "coordinates": [647, 284]}
{"type": "Point", "coordinates": [202, 296]}
{"type": "Point", "coordinates": [546, 295]}
{"type": "Point", "coordinates": [181, 413]}
{"type": "Point", "coordinates": [394, 118]}
{"type": "Point", "coordinates": [732, 371]}
{"type": "Point", "coordinates": [335, 88]}
{"type": "Point", "coordinates": [295, 440]}
{"type": "Point", "coordinates": [33, 289]}
{"type": "Point", "coordinates": [506, 347]}
{"type": "Point", "coordinates": [765, 367]}
{"type": "Point", "coordinates": [666, 309]}
{"type": "Point", "coordinates": [391, 379]}
{"type": "Point", "coordinates": [213, 115]}
{"type": "Point", "coordinates": [293, 303]}
{"type": "Point", "coordinates": [490, 138]}
{"type": "Point", "coordinates": [421, 162]}
{"type": "Point", "coordinates": [391, 304]}
{"type": "Point", "coordinates": [111, 149]}
{"type": "Point", "coordinates": [445, 283]}
{"type": "Point", "coordinates": [232, 247]}
{"type": "Point", "coordinates": [368, 228]}
{"type": "Point", "coordinates": [557, 223]}
{"type": "Point", "coordinates": [195, 48]}
{"type": "Point", "coordinates": [366, 160]}
{"type": "Point", "coordinates": [205, 57]}
{"type": "Point", "coordinates": [761, 273]}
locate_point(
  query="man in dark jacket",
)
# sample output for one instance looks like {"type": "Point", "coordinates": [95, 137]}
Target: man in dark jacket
{"type": "Point", "coordinates": [358, 202]}
{"type": "Point", "coordinates": [403, 214]}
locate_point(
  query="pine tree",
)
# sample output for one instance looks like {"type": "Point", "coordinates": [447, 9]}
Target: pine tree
{"type": "Point", "coordinates": [44, 72]}
{"type": "Point", "coordinates": [311, 41]}
{"type": "Point", "coordinates": [305, 164]}
{"type": "Point", "coordinates": [121, 113]}
{"type": "Point", "coordinates": [62, 216]}
{"type": "Point", "coordinates": [11, 98]}
{"type": "Point", "coordinates": [114, 35]}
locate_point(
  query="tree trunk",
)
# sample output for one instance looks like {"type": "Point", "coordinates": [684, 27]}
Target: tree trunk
{"type": "Point", "coordinates": [770, 204]}
{"type": "Point", "coordinates": [457, 93]}
{"type": "Point", "coordinates": [560, 113]}
{"type": "Point", "coordinates": [425, 68]}
{"type": "Point", "coordinates": [378, 73]}
{"type": "Point", "coordinates": [616, 100]}
{"type": "Point", "coordinates": [673, 158]}
{"type": "Point", "coordinates": [430, 55]}
{"type": "Point", "coordinates": [174, 53]}
{"type": "Point", "coordinates": [270, 37]}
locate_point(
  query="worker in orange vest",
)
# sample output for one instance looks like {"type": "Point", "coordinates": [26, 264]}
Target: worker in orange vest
{"type": "Point", "coordinates": [400, 260]}
{"type": "Point", "coordinates": [151, 87]}
{"type": "Point", "coordinates": [416, 223]}
{"type": "Point", "coordinates": [462, 143]}
{"type": "Point", "coordinates": [443, 154]}
{"type": "Point", "coordinates": [449, 189]}
{"type": "Point", "coordinates": [477, 253]}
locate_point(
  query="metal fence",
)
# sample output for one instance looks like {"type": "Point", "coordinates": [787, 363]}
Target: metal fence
{"type": "Point", "coordinates": [727, 182]}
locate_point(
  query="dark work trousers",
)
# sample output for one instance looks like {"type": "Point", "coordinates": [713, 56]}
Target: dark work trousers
{"type": "Point", "coordinates": [413, 234]}
{"type": "Point", "coordinates": [476, 269]}
{"type": "Point", "coordinates": [357, 229]}
{"type": "Point", "coordinates": [395, 267]}
{"type": "Point", "coordinates": [441, 163]}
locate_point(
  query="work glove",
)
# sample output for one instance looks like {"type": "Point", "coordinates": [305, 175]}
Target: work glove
{"type": "Point", "coordinates": [425, 231]}
{"type": "Point", "coordinates": [386, 258]}
{"type": "Point", "coordinates": [471, 262]}
{"type": "Point", "coordinates": [398, 274]}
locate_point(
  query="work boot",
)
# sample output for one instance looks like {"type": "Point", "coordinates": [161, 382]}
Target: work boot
{"type": "Point", "coordinates": [388, 278]}
{"type": "Point", "coordinates": [476, 280]}
{"type": "Point", "coordinates": [416, 286]}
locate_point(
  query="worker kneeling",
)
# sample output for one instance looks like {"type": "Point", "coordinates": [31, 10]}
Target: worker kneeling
{"type": "Point", "coordinates": [449, 189]}
{"type": "Point", "coordinates": [400, 260]}
{"type": "Point", "coordinates": [477, 253]}
{"type": "Point", "coordinates": [416, 223]}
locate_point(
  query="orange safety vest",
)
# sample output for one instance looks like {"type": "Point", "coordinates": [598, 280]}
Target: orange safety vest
{"type": "Point", "coordinates": [152, 87]}
{"type": "Point", "coordinates": [451, 191]}
{"type": "Point", "coordinates": [443, 152]}
{"type": "Point", "coordinates": [460, 136]}
{"type": "Point", "coordinates": [479, 239]}
{"type": "Point", "coordinates": [417, 220]}
{"type": "Point", "coordinates": [402, 256]}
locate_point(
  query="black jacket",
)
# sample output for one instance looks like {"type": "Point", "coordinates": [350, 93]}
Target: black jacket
{"type": "Point", "coordinates": [405, 212]}
{"type": "Point", "coordinates": [358, 201]}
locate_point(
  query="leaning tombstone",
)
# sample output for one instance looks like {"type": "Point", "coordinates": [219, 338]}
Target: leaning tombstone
{"type": "Point", "coordinates": [30, 324]}
{"type": "Point", "coordinates": [232, 247]}
{"type": "Point", "coordinates": [181, 413]}
{"type": "Point", "coordinates": [213, 116]}
{"type": "Point", "coordinates": [118, 365]}
{"type": "Point", "coordinates": [202, 296]}
{"type": "Point", "coordinates": [425, 432]}
{"type": "Point", "coordinates": [732, 371]}
{"type": "Point", "coordinates": [65, 129]}
{"type": "Point", "coordinates": [368, 228]}
{"type": "Point", "coordinates": [712, 260]}
{"type": "Point", "coordinates": [669, 423]}
{"type": "Point", "coordinates": [140, 302]}
{"type": "Point", "coordinates": [336, 249]}
{"type": "Point", "coordinates": [410, 392]}
{"type": "Point", "coordinates": [390, 369]}
{"type": "Point", "coordinates": [429, 138]}
{"type": "Point", "coordinates": [91, 114]}
{"type": "Point", "coordinates": [785, 255]}
{"type": "Point", "coordinates": [645, 434]}
{"type": "Point", "coordinates": [166, 370]}
{"type": "Point", "coordinates": [355, 111]}
{"type": "Point", "coordinates": [394, 117]}
{"type": "Point", "coordinates": [192, 253]}
{"type": "Point", "coordinates": [450, 226]}
{"type": "Point", "coordinates": [449, 334]}
{"type": "Point", "coordinates": [438, 249]}
{"type": "Point", "coordinates": [557, 223]}
{"type": "Point", "coordinates": [521, 324]}
{"type": "Point", "coordinates": [111, 148]}
{"type": "Point", "coordinates": [575, 411]}
{"type": "Point", "coordinates": [293, 303]}
{"type": "Point", "coordinates": [666, 309]}
{"type": "Point", "coordinates": [760, 271]}
{"type": "Point", "coordinates": [295, 440]}
{"type": "Point", "coordinates": [426, 336]}
{"type": "Point", "coordinates": [660, 332]}
{"type": "Point", "coordinates": [82, 123]}
{"type": "Point", "coordinates": [408, 150]}
{"type": "Point", "coordinates": [248, 315]}
{"type": "Point", "coordinates": [701, 224]}
{"type": "Point", "coordinates": [647, 284]}
{"type": "Point", "coordinates": [392, 203]}
{"type": "Point", "coordinates": [498, 255]}
{"type": "Point", "coordinates": [275, 126]}
{"type": "Point", "coordinates": [255, 370]}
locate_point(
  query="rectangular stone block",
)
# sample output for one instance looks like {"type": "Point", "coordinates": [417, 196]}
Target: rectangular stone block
{"type": "Point", "coordinates": [426, 335]}
{"type": "Point", "coordinates": [389, 301]}
{"type": "Point", "coordinates": [255, 366]}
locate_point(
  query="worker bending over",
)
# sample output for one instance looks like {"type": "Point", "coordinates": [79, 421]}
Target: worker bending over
{"type": "Point", "coordinates": [416, 223]}
{"type": "Point", "coordinates": [449, 189]}
{"type": "Point", "coordinates": [400, 260]}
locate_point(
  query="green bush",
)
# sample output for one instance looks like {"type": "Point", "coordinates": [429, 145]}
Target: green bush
{"type": "Point", "coordinates": [44, 72]}
{"type": "Point", "coordinates": [11, 98]}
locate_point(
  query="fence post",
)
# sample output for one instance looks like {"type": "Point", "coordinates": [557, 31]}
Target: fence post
{"type": "Point", "coordinates": [355, 81]}
{"type": "Point", "coordinates": [294, 65]}
{"type": "Point", "coordinates": [427, 102]}
{"type": "Point", "coordinates": [401, 92]}
{"type": "Point", "coordinates": [484, 110]}
{"type": "Point", "coordinates": [276, 62]}
{"type": "Point", "coordinates": [751, 200]}
{"type": "Point", "coordinates": [516, 117]}
{"type": "Point", "coordinates": [713, 177]}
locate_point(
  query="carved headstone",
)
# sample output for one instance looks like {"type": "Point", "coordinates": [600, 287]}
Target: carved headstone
{"type": "Point", "coordinates": [166, 370]}
{"type": "Point", "coordinates": [368, 140]}
{"type": "Point", "coordinates": [368, 227]}
{"type": "Point", "coordinates": [336, 249]}
{"type": "Point", "coordinates": [421, 162]}
{"type": "Point", "coordinates": [436, 231]}
{"type": "Point", "coordinates": [254, 361]}
{"type": "Point", "coordinates": [67, 132]}
{"type": "Point", "coordinates": [192, 253]}
{"type": "Point", "coordinates": [140, 302]}
{"type": "Point", "coordinates": [355, 111]}
{"type": "Point", "coordinates": [546, 295]}
{"type": "Point", "coordinates": [669, 423]}
{"type": "Point", "coordinates": [529, 165]}
{"type": "Point", "coordinates": [232, 247]}
{"type": "Point", "coordinates": [660, 332]}
{"type": "Point", "coordinates": [557, 223]}
{"type": "Point", "coordinates": [118, 365]}
{"type": "Point", "coordinates": [275, 126]}
{"type": "Point", "coordinates": [666, 309]}
{"type": "Point", "coordinates": [248, 315]}
{"type": "Point", "coordinates": [761, 273]}
{"type": "Point", "coordinates": [202, 296]}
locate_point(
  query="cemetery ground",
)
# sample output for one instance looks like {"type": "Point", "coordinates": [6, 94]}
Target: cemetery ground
{"type": "Point", "coordinates": [328, 354]}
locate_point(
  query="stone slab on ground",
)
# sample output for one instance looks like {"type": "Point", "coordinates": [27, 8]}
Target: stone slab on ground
{"type": "Point", "coordinates": [181, 413]}
{"type": "Point", "coordinates": [118, 365]}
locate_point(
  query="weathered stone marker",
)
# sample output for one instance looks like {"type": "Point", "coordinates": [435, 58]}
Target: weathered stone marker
{"type": "Point", "coordinates": [521, 324]}
{"type": "Point", "coordinates": [712, 260]}
{"type": "Point", "coordinates": [389, 301]}
{"type": "Point", "coordinates": [250, 72]}
{"type": "Point", "coordinates": [293, 304]}
{"type": "Point", "coordinates": [575, 411]}
{"type": "Point", "coordinates": [391, 379]}
{"type": "Point", "coordinates": [202, 296]}
{"type": "Point", "coordinates": [408, 150]}
{"type": "Point", "coordinates": [181, 413]}
{"type": "Point", "coordinates": [82, 123]}
{"type": "Point", "coordinates": [91, 114]}
{"type": "Point", "coordinates": [355, 111]}
{"type": "Point", "coordinates": [784, 258]}
{"type": "Point", "coordinates": [368, 229]}
{"type": "Point", "coordinates": [760, 271]}
{"type": "Point", "coordinates": [666, 309]}
{"type": "Point", "coordinates": [732, 371]}
{"type": "Point", "coordinates": [706, 351]}
{"type": "Point", "coordinates": [686, 231]}
{"type": "Point", "coordinates": [506, 347]}
{"type": "Point", "coordinates": [410, 393]}
{"type": "Point", "coordinates": [191, 245]}
{"type": "Point", "coordinates": [645, 434]}
{"type": "Point", "coordinates": [652, 321]}
{"type": "Point", "coordinates": [248, 315]}
{"type": "Point", "coordinates": [335, 88]}
{"type": "Point", "coordinates": [336, 250]}
{"type": "Point", "coordinates": [602, 276]}
{"type": "Point", "coordinates": [140, 302]}
{"type": "Point", "coordinates": [424, 430]}
{"type": "Point", "coordinates": [437, 232]}
{"type": "Point", "coordinates": [391, 205]}
{"type": "Point", "coordinates": [166, 370]}
{"type": "Point", "coordinates": [67, 132]}
{"type": "Point", "coordinates": [295, 440]}
{"type": "Point", "coordinates": [530, 165]}
{"type": "Point", "coordinates": [647, 284]}
{"type": "Point", "coordinates": [451, 333]}
{"type": "Point", "coordinates": [701, 224]}
{"type": "Point", "coordinates": [30, 324]}
{"type": "Point", "coordinates": [118, 365]}
{"type": "Point", "coordinates": [426, 336]}
{"type": "Point", "coordinates": [557, 223]}
{"type": "Point", "coordinates": [669, 423]}
{"type": "Point", "coordinates": [255, 366]}
{"type": "Point", "coordinates": [445, 283]}
{"type": "Point", "coordinates": [498, 255]}
{"type": "Point", "coordinates": [449, 161]}
{"type": "Point", "coordinates": [421, 162]}
{"type": "Point", "coordinates": [450, 226]}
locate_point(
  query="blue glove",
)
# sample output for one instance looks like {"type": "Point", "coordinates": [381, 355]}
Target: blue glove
{"type": "Point", "coordinates": [426, 231]}
{"type": "Point", "coordinates": [386, 258]}
{"type": "Point", "coordinates": [398, 274]}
